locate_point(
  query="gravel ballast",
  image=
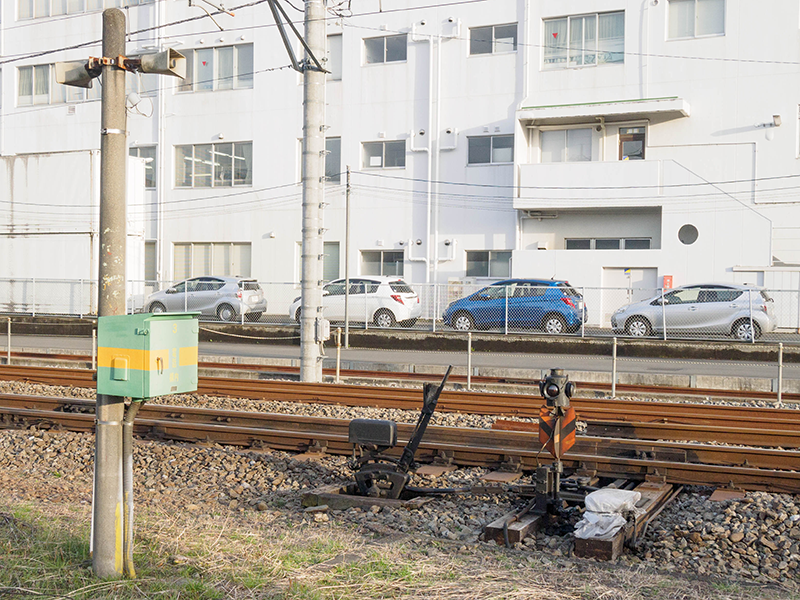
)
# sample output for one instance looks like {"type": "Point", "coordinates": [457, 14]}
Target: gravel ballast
{"type": "Point", "coordinates": [754, 539]}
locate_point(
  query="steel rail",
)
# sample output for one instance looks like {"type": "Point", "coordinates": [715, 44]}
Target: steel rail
{"type": "Point", "coordinates": [749, 468]}
{"type": "Point", "coordinates": [363, 375]}
{"type": "Point", "coordinates": [456, 401]}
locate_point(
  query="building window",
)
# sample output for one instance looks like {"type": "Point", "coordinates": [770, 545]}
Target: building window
{"type": "Point", "coordinates": [212, 69]}
{"type": "Point", "coordinates": [586, 40]}
{"type": "Point", "coordinates": [37, 85]}
{"type": "Point", "coordinates": [35, 9]}
{"type": "Point", "coordinates": [144, 84]}
{"type": "Point", "coordinates": [493, 39]}
{"type": "Point", "coordinates": [381, 262]}
{"type": "Point", "coordinates": [149, 154]}
{"type": "Point", "coordinates": [150, 262]}
{"type": "Point", "coordinates": [214, 165]}
{"type": "Point", "coordinates": [387, 155]}
{"type": "Point", "coordinates": [390, 48]}
{"type": "Point", "coordinates": [566, 145]}
{"type": "Point", "coordinates": [696, 18]}
{"type": "Point", "coordinates": [192, 259]}
{"type": "Point", "coordinates": [333, 159]}
{"type": "Point", "coordinates": [607, 243]}
{"type": "Point", "coordinates": [334, 55]}
{"type": "Point", "coordinates": [490, 149]}
{"type": "Point", "coordinates": [631, 143]}
{"type": "Point", "coordinates": [490, 263]}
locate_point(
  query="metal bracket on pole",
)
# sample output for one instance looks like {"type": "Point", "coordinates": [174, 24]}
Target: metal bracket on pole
{"type": "Point", "coordinates": [299, 66]}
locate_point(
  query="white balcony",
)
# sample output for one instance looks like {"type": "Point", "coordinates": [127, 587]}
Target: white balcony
{"type": "Point", "coordinates": [590, 184]}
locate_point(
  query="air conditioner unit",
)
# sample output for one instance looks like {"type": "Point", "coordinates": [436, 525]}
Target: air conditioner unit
{"type": "Point", "coordinates": [543, 245]}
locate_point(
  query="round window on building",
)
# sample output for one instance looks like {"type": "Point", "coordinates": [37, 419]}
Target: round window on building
{"type": "Point", "coordinates": [688, 234]}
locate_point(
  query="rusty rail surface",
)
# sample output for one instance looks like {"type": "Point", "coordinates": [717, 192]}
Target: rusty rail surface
{"type": "Point", "coordinates": [520, 405]}
{"type": "Point", "coordinates": [751, 468]}
{"type": "Point", "coordinates": [476, 380]}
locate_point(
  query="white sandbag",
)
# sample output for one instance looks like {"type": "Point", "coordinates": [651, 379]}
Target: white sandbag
{"type": "Point", "coordinates": [597, 526]}
{"type": "Point", "coordinates": [609, 500]}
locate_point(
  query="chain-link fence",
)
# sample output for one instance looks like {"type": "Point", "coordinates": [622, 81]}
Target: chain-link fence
{"type": "Point", "coordinates": [693, 312]}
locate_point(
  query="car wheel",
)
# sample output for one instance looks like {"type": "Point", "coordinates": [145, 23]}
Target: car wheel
{"type": "Point", "coordinates": [157, 308]}
{"type": "Point", "coordinates": [408, 322]}
{"type": "Point", "coordinates": [638, 327]}
{"type": "Point", "coordinates": [226, 313]}
{"type": "Point", "coordinates": [384, 318]}
{"type": "Point", "coordinates": [253, 316]}
{"type": "Point", "coordinates": [297, 316]}
{"type": "Point", "coordinates": [463, 321]}
{"type": "Point", "coordinates": [554, 324]}
{"type": "Point", "coordinates": [743, 331]}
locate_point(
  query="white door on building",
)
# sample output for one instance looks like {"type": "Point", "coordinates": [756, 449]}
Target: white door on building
{"type": "Point", "coordinates": [622, 286]}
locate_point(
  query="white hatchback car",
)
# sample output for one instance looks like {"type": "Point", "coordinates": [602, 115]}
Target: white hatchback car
{"type": "Point", "coordinates": [381, 301]}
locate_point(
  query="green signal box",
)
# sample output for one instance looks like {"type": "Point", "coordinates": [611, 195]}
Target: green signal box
{"type": "Point", "coordinates": [147, 355]}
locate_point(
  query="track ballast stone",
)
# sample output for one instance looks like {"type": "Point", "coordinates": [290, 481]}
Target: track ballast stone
{"type": "Point", "coordinates": [756, 538]}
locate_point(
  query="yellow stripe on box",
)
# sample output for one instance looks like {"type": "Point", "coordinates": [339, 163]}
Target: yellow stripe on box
{"type": "Point", "coordinates": [187, 356]}
{"type": "Point", "coordinates": [147, 360]}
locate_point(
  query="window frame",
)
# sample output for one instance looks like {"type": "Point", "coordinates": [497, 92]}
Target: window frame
{"type": "Point", "coordinates": [492, 138]}
{"type": "Point", "coordinates": [565, 152]}
{"type": "Point", "coordinates": [213, 246]}
{"type": "Point", "coordinates": [332, 176]}
{"type": "Point", "coordinates": [151, 166]}
{"type": "Point", "coordinates": [621, 240]}
{"type": "Point", "coordinates": [213, 174]}
{"type": "Point", "coordinates": [385, 41]}
{"type": "Point", "coordinates": [494, 41]}
{"type": "Point", "coordinates": [695, 35]}
{"type": "Point", "coordinates": [383, 262]}
{"type": "Point", "coordinates": [190, 84]}
{"type": "Point", "coordinates": [383, 143]}
{"type": "Point", "coordinates": [491, 259]}
{"type": "Point", "coordinates": [568, 50]}
{"type": "Point", "coordinates": [84, 10]}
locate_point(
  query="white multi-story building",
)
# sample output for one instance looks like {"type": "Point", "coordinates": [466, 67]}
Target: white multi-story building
{"type": "Point", "coordinates": [608, 142]}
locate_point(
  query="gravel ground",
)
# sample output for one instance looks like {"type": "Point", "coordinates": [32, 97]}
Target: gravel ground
{"type": "Point", "coordinates": [754, 539]}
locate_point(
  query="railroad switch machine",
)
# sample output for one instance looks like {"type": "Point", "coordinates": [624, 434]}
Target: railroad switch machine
{"type": "Point", "coordinates": [146, 355]}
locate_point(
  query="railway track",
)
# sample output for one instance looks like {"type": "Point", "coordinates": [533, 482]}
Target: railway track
{"type": "Point", "coordinates": [461, 380]}
{"type": "Point", "coordinates": [617, 449]}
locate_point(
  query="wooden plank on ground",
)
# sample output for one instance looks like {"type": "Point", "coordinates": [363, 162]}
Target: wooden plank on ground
{"type": "Point", "coordinates": [517, 530]}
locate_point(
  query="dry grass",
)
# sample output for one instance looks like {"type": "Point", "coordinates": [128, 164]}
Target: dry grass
{"type": "Point", "coordinates": [278, 555]}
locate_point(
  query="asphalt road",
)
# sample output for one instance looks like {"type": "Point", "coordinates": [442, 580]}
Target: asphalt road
{"type": "Point", "coordinates": [375, 358]}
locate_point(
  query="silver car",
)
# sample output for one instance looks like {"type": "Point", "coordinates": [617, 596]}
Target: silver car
{"type": "Point", "coordinates": [223, 298]}
{"type": "Point", "coordinates": [740, 311]}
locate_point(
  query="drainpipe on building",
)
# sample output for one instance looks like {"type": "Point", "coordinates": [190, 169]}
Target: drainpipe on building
{"type": "Point", "coordinates": [429, 184]}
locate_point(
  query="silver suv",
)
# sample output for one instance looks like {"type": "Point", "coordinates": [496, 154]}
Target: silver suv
{"type": "Point", "coordinates": [223, 298]}
{"type": "Point", "coordinates": [740, 311]}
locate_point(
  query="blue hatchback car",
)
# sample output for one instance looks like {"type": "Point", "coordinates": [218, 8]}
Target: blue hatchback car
{"type": "Point", "coordinates": [554, 306]}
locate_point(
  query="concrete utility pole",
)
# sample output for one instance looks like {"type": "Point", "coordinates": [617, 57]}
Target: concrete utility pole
{"type": "Point", "coordinates": [107, 535]}
{"type": "Point", "coordinates": [313, 193]}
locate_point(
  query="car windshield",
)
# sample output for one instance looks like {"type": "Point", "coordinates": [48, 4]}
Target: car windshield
{"type": "Point", "coordinates": [494, 291]}
{"type": "Point", "coordinates": [401, 287]}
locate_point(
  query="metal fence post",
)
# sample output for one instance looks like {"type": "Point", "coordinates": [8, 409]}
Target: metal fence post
{"type": "Point", "coordinates": [469, 361]}
{"type": "Point", "coordinates": [8, 339]}
{"type": "Point", "coordinates": [663, 314]}
{"type": "Point", "coordinates": [752, 327]}
{"type": "Point", "coordinates": [583, 312]}
{"type": "Point", "coordinates": [505, 326]}
{"type": "Point", "coordinates": [614, 370]}
{"type": "Point", "coordinates": [433, 311]}
{"type": "Point", "coordinates": [80, 299]}
{"type": "Point", "coordinates": [338, 352]}
{"type": "Point", "coordinates": [94, 348]}
{"type": "Point", "coordinates": [780, 374]}
{"type": "Point", "coordinates": [33, 301]}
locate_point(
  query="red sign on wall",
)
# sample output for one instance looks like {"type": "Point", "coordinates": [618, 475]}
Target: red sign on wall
{"type": "Point", "coordinates": [667, 282]}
